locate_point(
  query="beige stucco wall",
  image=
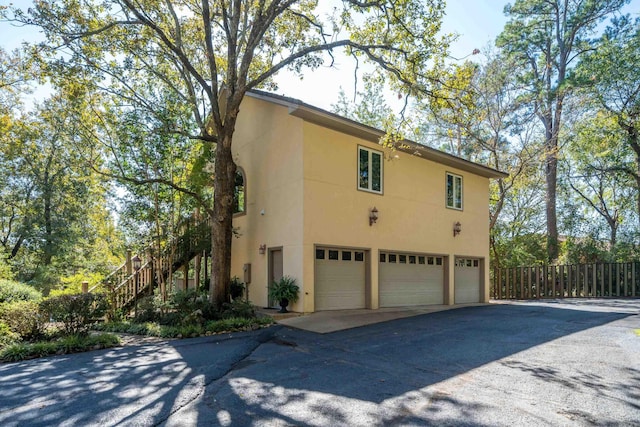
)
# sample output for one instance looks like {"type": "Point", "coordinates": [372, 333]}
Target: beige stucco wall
{"type": "Point", "coordinates": [304, 176]}
{"type": "Point", "coordinates": [267, 145]}
{"type": "Point", "coordinates": [412, 212]}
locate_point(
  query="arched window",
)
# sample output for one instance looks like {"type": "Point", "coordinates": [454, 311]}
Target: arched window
{"type": "Point", "coordinates": [239, 192]}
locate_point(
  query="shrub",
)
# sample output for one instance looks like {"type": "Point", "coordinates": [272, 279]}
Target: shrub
{"type": "Point", "coordinates": [68, 344]}
{"type": "Point", "coordinates": [22, 318]}
{"type": "Point", "coordinates": [11, 291]}
{"type": "Point", "coordinates": [236, 288]}
{"type": "Point", "coordinates": [148, 310]}
{"type": "Point", "coordinates": [76, 312]}
{"type": "Point", "coordinates": [189, 307]}
{"type": "Point", "coordinates": [238, 308]}
{"type": "Point", "coordinates": [7, 336]}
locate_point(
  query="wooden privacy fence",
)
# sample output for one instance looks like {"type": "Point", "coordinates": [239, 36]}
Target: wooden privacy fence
{"type": "Point", "coordinates": [567, 281]}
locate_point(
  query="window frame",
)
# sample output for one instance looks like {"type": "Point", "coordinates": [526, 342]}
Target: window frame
{"type": "Point", "coordinates": [370, 153]}
{"type": "Point", "coordinates": [446, 191]}
{"type": "Point", "coordinates": [240, 171]}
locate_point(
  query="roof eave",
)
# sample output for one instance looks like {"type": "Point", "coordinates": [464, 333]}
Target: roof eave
{"type": "Point", "coordinates": [368, 133]}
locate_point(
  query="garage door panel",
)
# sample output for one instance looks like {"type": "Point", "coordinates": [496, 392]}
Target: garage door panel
{"type": "Point", "coordinates": [467, 281]}
{"type": "Point", "coordinates": [402, 284]}
{"type": "Point", "coordinates": [340, 284]}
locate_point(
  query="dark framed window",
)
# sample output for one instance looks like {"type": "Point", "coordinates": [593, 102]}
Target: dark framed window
{"type": "Point", "coordinates": [383, 257]}
{"type": "Point", "coordinates": [392, 258]}
{"type": "Point", "coordinates": [369, 170]}
{"type": "Point", "coordinates": [430, 260]}
{"type": "Point", "coordinates": [346, 255]}
{"type": "Point", "coordinates": [402, 259]}
{"type": "Point", "coordinates": [475, 262]}
{"type": "Point", "coordinates": [239, 192]}
{"type": "Point", "coordinates": [454, 191]}
{"type": "Point", "coordinates": [438, 261]}
{"type": "Point", "coordinates": [359, 256]}
{"type": "Point", "coordinates": [333, 254]}
{"type": "Point", "coordinates": [420, 260]}
{"type": "Point", "coordinates": [319, 253]}
{"type": "Point", "coordinates": [412, 259]}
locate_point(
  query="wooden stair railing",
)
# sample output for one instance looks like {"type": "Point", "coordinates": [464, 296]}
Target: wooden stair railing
{"type": "Point", "coordinates": [125, 284]}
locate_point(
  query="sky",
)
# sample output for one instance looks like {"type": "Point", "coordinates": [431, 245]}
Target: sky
{"type": "Point", "coordinates": [477, 22]}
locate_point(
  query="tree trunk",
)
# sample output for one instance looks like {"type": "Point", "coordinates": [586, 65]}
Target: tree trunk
{"type": "Point", "coordinates": [551, 175]}
{"type": "Point", "coordinates": [222, 226]}
{"type": "Point", "coordinates": [613, 227]}
{"type": "Point", "coordinates": [48, 223]}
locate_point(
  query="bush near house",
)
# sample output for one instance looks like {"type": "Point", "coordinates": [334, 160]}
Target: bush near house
{"type": "Point", "coordinates": [76, 312]}
{"type": "Point", "coordinates": [23, 318]}
{"type": "Point", "coordinates": [24, 333]}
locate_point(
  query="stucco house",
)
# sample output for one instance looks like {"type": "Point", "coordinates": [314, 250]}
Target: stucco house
{"type": "Point", "coordinates": [358, 225]}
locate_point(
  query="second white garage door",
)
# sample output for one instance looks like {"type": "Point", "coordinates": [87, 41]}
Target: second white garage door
{"type": "Point", "coordinates": [467, 280]}
{"type": "Point", "coordinates": [406, 279]}
{"type": "Point", "coordinates": [339, 279]}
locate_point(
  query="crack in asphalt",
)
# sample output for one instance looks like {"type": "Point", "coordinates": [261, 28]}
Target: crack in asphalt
{"type": "Point", "coordinates": [263, 338]}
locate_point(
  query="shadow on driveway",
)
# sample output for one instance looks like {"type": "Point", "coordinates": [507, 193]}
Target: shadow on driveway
{"type": "Point", "coordinates": [422, 370]}
{"type": "Point", "coordinates": [453, 367]}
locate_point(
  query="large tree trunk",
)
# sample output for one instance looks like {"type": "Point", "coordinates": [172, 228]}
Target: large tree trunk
{"type": "Point", "coordinates": [48, 222]}
{"type": "Point", "coordinates": [222, 226]}
{"type": "Point", "coordinates": [551, 175]}
{"type": "Point", "coordinates": [551, 123]}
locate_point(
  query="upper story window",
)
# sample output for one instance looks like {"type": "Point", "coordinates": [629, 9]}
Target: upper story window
{"type": "Point", "coordinates": [369, 170]}
{"type": "Point", "coordinates": [239, 193]}
{"type": "Point", "coordinates": [454, 191]}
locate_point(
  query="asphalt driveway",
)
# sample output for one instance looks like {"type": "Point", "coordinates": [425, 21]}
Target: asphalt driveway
{"type": "Point", "coordinates": [552, 363]}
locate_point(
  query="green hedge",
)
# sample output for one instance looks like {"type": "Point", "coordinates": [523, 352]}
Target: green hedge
{"type": "Point", "coordinates": [23, 318]}
{"type": "Point", "coordinates": [185, 331]}
{"type": "Point", "coordinates": [76, 312]}
{"type": "Point", "coordinates": [11, 291]}
{"type": "Point", "coordinates": [64, 345]}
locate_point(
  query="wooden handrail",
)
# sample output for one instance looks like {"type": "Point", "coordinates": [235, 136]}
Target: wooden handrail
{"type": "Point", "coordinates": [194, 239]}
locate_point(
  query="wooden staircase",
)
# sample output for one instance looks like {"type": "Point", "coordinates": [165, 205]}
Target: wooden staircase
{"type": "Point", "coordinates": [139, 275]}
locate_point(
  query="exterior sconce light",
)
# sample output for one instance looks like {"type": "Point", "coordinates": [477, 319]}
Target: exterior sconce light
{"type": "Point", "coordinates": [457, 228]}
{"type": "Point", "coordinates": [373, 216]}
{"type": "Point", "coordinates": [262, 249]}
{"type": "Point", "coordinates": [137, 262]}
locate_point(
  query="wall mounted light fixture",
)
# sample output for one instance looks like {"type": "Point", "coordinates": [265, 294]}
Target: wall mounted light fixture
{"type": "Point", "coordinates": [262, 249]}
{"type": "Point", "coordinates": [457, 228]}
{"type": "Point", "coordinates": [373, 216]}
{"type": "Point", "coordinates": [137, 262]}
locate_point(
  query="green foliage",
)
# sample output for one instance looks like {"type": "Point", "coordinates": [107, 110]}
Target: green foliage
{"type": "Point", "coordinates": [7, 336]}
{"type": "Point", "coordinates": [72, 285]}
{"type": "Point", "coordinates": [182, 307]}
{"type": "Point", "coordinates": [11, 291]}
{"type": "Point", "coordinates": [232, 324]}
{"type": "Point", "coordinates": [584, 250]}
{"type": "Point", "coordinates": [68, 344]}
{"type": "Point", "coordinates": [23, 318]}
{"type": "Point", "coordinates": [53, 209]}
{"type": "Point", "coordinates": [236, 288]}
{"type": "Point", "coordinates": [519, 250]}
{"type": "Point", "coordinates": [285, 288]}
{"type": "Point", "coordinates": [238, 309]}
{"type": "Point", "coordinates": [5, 268]}
{"type": "Point", "coordinates": [76, 312]}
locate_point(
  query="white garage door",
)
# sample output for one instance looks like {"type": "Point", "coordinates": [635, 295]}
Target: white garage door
{"type": "Point", "coordinates": [467, 280]}
{"type": "Point", "coordinates": [406, 279]}
{"type": "Point", "coordinates": [340, 279]}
